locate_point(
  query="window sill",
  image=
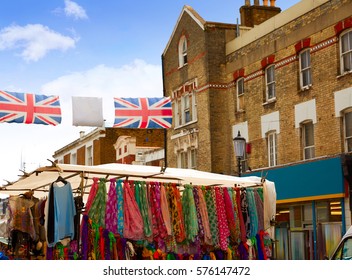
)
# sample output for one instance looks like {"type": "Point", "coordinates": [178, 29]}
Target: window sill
{"type": "Point", "coordinates": [186, 124]}
{"type": "Point", "coordinates": [184, 65]}
{"type": "Point", "coordinates": [271, 101]}
{"type": "Point", "coordinates": [344, 74]}
{"type": "Point", "coordinates": [306, 88]}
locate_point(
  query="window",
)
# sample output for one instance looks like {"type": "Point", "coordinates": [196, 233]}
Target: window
{"type": "Point", "coordinates": [74, 158]}
{"type": "Point", "coordinates": [240, 94]}
{"type": "Point", "coordinates": [272, 148]}
{"type": "Point", "coordinates": [89, 155]}
{"type": "Point", "coordinates": [308, 140]}
{"type": "Point", "coordinates": [182, 51]}
{"type": "Point", "coordinates": [346, 52]}
{"type": "Point", "coordinates": [344, 252]}
{"type": "Point", "coordinates": [348, 131]}
{"type": "Point", "coordinates": [305, 69]}
{"type": "Point", "coordinates": [185, 107]}
{"type": "Point", "coordinates": [270, 82]}
{"type": "Point", "coordinates": [187, 159]}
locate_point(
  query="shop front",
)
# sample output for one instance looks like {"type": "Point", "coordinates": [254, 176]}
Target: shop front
{"type": "Point", "coordinates": [313, 207]}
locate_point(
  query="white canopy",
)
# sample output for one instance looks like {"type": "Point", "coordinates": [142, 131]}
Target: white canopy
{"type": "Point", "coordinates": [80, 177]}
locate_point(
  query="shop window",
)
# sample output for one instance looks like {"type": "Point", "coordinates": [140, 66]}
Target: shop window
{"type": "Point", "coordinates": [305, 69]}
{"type": "Point", "coordinates": [346, 52]}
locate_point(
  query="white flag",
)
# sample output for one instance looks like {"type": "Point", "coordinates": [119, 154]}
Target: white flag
{"type": "Point", "coordinates": [87, 111]}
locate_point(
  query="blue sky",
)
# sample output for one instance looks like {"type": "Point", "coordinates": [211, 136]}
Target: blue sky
{"type": "Point", "coordinates": [92, 48]}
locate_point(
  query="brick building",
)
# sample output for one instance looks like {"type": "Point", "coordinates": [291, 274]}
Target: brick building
{"type": "Point", "coordinates": [113, 145]}
{"type": "Point", "coordinates": [283, 80]}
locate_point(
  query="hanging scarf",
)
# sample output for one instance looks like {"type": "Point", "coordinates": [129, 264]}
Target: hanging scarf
{"type": "Point", "coordinates": [198, 211]}
{"type": "Point", "coordinates": [258, 196]}
{"type": "Point", "coordinates": [176, 213]}
{"type": "Point", "coordinates": [133, 221]}
{"type": "Point", "coordinates": [84, 237]}
{"type": "Point", "coordinates": [223, 226]}
{"type": "Point", "coordinates": [111, 208]}
{"type": "Point", "coordinates": [120, 207]}
{"type": "Point", "coordinates": [230, 214]}
{"type": "Point", "coordinates": [252, 212]}
{"type": "Point", "coordinates": [189, 213]}
{"type": "Point", "coordinates": [165, 209]}
{"type": "Point", "coordinates": [92, 193]}
{"type": "Point", "coordinates": [97, 210]}
{"type": "Point", "coordinates": [213, 219]}
{"type": "Point", "coordinates": [143, 204]}
{"type": "Point", "coordinates": [204, 216]}
{"type": "Point", "coordinates": [237, 237]}
{"type": "Point", "coordinates": [240, 214]}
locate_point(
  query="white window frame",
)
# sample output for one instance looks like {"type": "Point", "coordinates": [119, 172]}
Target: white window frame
{"type": "Point", "coordinates": [240, 94]}
{"type": "Point", "coordinates": [89, 155]}
{"type": "Point", "coordinates": [272, 148]}
{"type": "Point", "coordinates": [347, 136]}
{"type": "Point", "coordinates": [305, 71]}
{"type": "Point", "coordinates": [73, 159]}
{"type": "Point", "coordinates": [187, 159]}
{"type": "Point", "coordinates": [308, 148]}
{"type": "Point", "coordinates": [270, 84]}
{"type": "Point", "coordinates": [182, 51]}
{"type": "Point", "coordinates": [346, 54]}
{"type": "Point", "coordinates": [185, 109]}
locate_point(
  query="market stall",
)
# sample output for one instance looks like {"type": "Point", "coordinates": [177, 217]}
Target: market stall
{"type": "Point", "coordinates": [119, 211]}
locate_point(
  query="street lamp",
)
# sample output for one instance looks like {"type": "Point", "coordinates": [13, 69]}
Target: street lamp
{"type": "Point", "coordinates": [239, 144]}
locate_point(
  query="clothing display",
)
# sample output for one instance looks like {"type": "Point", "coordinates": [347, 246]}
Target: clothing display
{"type": "Point", "coordinates": [145, 220]}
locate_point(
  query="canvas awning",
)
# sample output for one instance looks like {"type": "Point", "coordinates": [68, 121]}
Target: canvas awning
{"type": "Point", "coordinates": [80, 177]}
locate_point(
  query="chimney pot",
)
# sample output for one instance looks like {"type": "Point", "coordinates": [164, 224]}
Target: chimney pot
{"type": "Point", "coordinates": [247, 3]}
{"type": "Point", "coordinates": [265, 2]}
{"type": "Point", "coordinates": [272, 3]}
{"type": "Point", "coordinates": [256, 2]}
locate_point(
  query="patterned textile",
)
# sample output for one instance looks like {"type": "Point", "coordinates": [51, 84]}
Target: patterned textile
{"type": "Point", "coordinates": [97, 210]}
{"type": "Point", "coordinates": [111, 208]}
{"type": "Point", "coordinates": [176, 213]}
{"type": "Point", "coordinates": [143, 203]}
{"type": "Point", "coordinates": [189, 213]}
{"type": "Point", "coordinates": [133, 221]}
{"type": "Point", "coordinates": [230, 214]}
{"type": "Point", "coordinates": [244, 209]}
{"type": "Point", "coordinates": [223, 226]}
{"type": "Point", "coordinates": [20, 215]}
{"type": "Point", "coordinates": [92, 194]}
{"type": "Point", "coordinates": [204, 216]}
{"type": "Point", "coordinates": [240, 215]}
{"type": "Point", "coordinates": [198, 211]}
{"type": "Point", "coordinates": [258, 196]}
{"type": "Point", "coordinates": [213, 219]}
{"type": "Point", "coordinates": [165, 209]}
{"type": "Point", "coordinates": [120, 206]}
{"type": "Point", "coordinates": [252, 212]}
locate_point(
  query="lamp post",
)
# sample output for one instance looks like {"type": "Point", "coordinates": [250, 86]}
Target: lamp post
{"type": "Point", "coordinates": [239, 144]}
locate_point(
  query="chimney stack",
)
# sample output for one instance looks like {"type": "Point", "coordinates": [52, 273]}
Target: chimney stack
{"type": "Point", "coordinates": [252, 15]}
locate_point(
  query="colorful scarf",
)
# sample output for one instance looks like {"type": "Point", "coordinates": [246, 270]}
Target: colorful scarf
{"type": "Point", "coordinates": [111, 208]}
{"type": "Point", "coordinates": [189, 213]}
{"type": "Point", "coordinates": [120, 207]}
{"type": "Point", "coordinates": [223, 226]}
{"type": "Point", "coordinates": [97, 210]}
{"type": "Point", "coordinates": [213, 219]}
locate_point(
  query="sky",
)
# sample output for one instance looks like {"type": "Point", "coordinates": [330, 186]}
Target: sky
{"type": "Point", "coordinates": [88, 48]}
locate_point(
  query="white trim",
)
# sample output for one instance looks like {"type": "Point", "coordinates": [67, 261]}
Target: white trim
{"type": "Point", "coordinates": [343, 100]}
{"type": "Point", "coordinates": [305, 111]}
{"type": "Point", "coordinates": [270, 122]}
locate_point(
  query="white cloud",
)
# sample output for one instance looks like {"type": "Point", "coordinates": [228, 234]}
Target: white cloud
{"type": "Point", "coordinates": [35, 40]}
{"type": "Point", "coordinates": [137, 79]}
{"type": "Point", "coordinates": [72, 9]}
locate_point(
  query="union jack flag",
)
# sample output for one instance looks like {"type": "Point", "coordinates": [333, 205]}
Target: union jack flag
{"type": "Point", "coordinates": [143, 112]}
{"type": "Point", "coordinates": [29, 108]}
